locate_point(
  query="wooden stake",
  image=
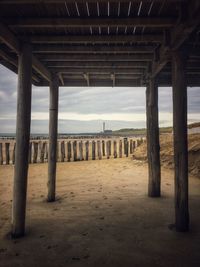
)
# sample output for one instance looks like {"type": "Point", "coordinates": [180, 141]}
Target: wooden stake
{"type": "Point", "coordinates": [7, 146]}
{"type": "Point", "coordinates": [120, 148]}
{"type": "Point", "coordinates": [30, 153]}
{"type": "Point", "coordinates": [115, 149]}
{"type": "Point", "coordinates": [86, 150]}
{"type": "Point", "coordinates": [99, 149]}
{"type": "Point", "coordinates": [81, 150]}
{"type": "Point", "coordinates": [93, 150]}
{"type": "Point", "coordinates": [180, 140]}
{"type": "Point", "coordinates": [35, 152]}
{"type": "Point", "coordinates": [103, 148]}
{"type": "Point", "coordinates": [1, 154]}
{"type": "Point", "coordinates": [42, 151]}
{"type": "Point", "coordinates": [107, 149]}
{"type": "Point", "coordinates": [53, 128]}
{"type": "Point", "coordinates": [131, 146]}
{"type": "Point", "coordinates": [75, 150]}
{"type": "Point", "coordinates": [62, 149]}
{"type": "Point", "coordinates": [22, 140]}
{"type": "Point", "coordinates": [13, 155]}
{"type": "Point", "coordinates": [69, 151]}
{"type": "Point", "coordinates": [153, 145]}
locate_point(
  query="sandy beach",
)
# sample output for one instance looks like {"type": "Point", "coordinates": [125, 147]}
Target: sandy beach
{"type": "Point", "coordinates": [102, 217]}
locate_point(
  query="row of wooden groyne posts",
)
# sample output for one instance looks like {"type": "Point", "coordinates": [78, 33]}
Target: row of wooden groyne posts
{"type": "Point", "coordinates": [73, 150]}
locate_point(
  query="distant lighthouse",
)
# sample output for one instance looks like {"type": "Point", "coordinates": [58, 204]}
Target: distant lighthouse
{"type": "Point", "coordinates": [104, 126]}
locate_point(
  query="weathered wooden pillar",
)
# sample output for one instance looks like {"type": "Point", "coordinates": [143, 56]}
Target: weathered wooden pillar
{"type": "Point", "coordinates": [69, 151]}
{"type": "Point", "coordinates": [7, 150]}
{"type": "Point", "coordinates": [13, 154]}
{"type": "Point", "coordinates": [103, 148]}
{"type": "Point", "coordinates": [115, 149]}
{"type": "Point", "coordinates": [1, 154]}
{"type": "Point", "coordinates": [93, 150]}
{"type": "Point", "coordinates": [120, 148]}
{"type": "Point", "coordinates": [86, 150]}
{"type": "Point", "coordinates": [22, 140]}
{"type": "Point", "coordinates": [30, 153]}
{"type": "Point", "coordinates": [62, 150]}
{"type": "Point", "coordinates": [99, 149]}
{"type": "Point", "coordinates": [81, 150]}
{"type": "Point", "coordinates": [75, 150]}
{"type": "Point", "coordinates": [108, 149]}
{"type": "Point", "coordinates": [153, 145]}
{"type": "Point", "coordinates": [42, 151]}
{"type": "Point", "coordinates": [180, 140]}
{"type": "Point", "coordinates": [131, 146]}
{"type": "Point", "coordinates": [35, 152]}
{"type": "Point", "coordinates": [53, 129]}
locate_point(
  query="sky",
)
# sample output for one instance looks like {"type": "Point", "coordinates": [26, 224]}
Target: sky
{"type": "Point", "coordinates": [84, 109]}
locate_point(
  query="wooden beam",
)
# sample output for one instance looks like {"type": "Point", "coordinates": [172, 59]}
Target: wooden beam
{"type": "Point", "coordinates": [20, 2]}
{"type": "Point", "coordinates": [153, 145]}
{"type": "Point", "coordinates": [97, 70]}
{"type": "Point", "coordinates": [101, 76]}
{"type": "Point", "coordinates": [64, 39]}
{"type": "Point", "coordinates": [96, 64]}
{"type": "Point", "coordinates": [87, 58]}
{"type": "Point", "coordinates": [68, 49]}
{"type": "Point", "coordinates": [11, 41]}
{"type": "Point", "coordinates": [178, 35]}
{"type": "Point", "coordinates": [14, 62]}
{"type": "Point", "coordinates": [180, 140]}
{"type": "Point", "coordinates": [155, 22]}
{"type": "Point", "coordinates": [41, 69]}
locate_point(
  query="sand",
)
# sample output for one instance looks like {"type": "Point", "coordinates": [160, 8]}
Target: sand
{"type": "Point", "coordinates": [102, 217]}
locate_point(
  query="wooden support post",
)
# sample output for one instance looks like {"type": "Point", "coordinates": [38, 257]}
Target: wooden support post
{"type": "Point", "coordinates": [1, 154]}
{"type": "Point", "coordinates": [30, 153]}
{"type": "Point", "coordinates": [131, 146]}
{"type": "Point", "coordinates": [134, 145]}
{"type": "Point", "coordinates": [115, 149]}
{"type": "Point", "coordinates": [47, 151]}
{"type": "Point", "coordinates": [93, 150]}
{"type": "Point", "coordinates": [69, 151]}
{"type": "Point", "coordinates": [53, 128]}
{"type": "Point", "coordinates": [120, 148]}
{"type": "Point", "coordinates": [62, 149]}
{"type": "Point", "coordinates": [103, 148]}
{"type": "Point", "coordinates": [35, 152]}
{"type": "Point", "coordinates": [180, 140]}
{"type": "Point", "coordinates": [7, 146]}
{"type": "Point", "coordinates": [75, 150]}
{"type": "Point", "coordinates": [42, 150]}
{"type": "Point", "coordinates": [99, 149]}
{"type": "Point", "coordinates": [22, 140]}
{"type": "Point", "coordinates": [110, 147]}
{"type": "Point", "coordinates": [86, 150]}
{"type": "Point", "coordinates": [81, 150]}
{"type": "Point", "coordinates": [153, 145]}
{"type": "Point", "coordinates": [107, 149]}
{"type": "Point", "coordinates": [13, 154]}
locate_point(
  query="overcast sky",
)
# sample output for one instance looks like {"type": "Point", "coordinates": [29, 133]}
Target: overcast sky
{"type": "Point", "coordinates": [84, 109]}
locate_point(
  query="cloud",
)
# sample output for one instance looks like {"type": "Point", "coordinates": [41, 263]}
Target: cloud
{"type": "Point", "coordinates": [84, 108]}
